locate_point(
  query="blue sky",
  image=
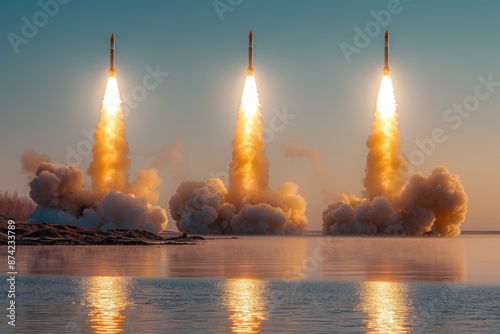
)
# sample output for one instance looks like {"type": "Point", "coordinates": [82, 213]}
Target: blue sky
{"type": "Point", "coordinates": [52, 88]}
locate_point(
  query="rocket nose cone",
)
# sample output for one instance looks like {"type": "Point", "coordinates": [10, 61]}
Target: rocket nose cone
{"type": "Point", "coordinates": [250, 35]}
{"type": "Point", "coordinates": [112, 36]}
{"type": "Point", "coordinates": [386, 34]}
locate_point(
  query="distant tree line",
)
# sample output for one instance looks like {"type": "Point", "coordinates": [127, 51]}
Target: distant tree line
{"type": "Point", "coordinates": [15, 206]}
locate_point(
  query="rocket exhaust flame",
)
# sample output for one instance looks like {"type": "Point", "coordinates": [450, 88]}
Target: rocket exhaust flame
{"type": "Point", "coordinates": [385, 165]}
{"type": "Point", "coordinates": [109, 168]}
{"type": "Point", "coordinates": [394, 205]}
{"type": "Point", "coordinates": [249, 207]}
{"type": "Point", "coordinates": [112, 203]}
{"type": "Point", "coordinates": [249, 167]}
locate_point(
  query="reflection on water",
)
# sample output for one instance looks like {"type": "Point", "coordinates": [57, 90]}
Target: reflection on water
{"type": "Point", "coordinates": [311, 258]}
{"type": "Point", "coordinates": [235, 258]}
{"type": "Point", "coordinates": [396, 259]}
{"type": "Point", "coordinates": [107, 297]}
{"type": "Point", "coordinates": [387, 306]}
{"type": "Point", "coordinates": [246, 302]}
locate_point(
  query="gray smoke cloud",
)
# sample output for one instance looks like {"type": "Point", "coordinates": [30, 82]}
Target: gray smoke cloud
{"type": "Point", "coordinates": [61, 198]}
{"type": "Point", "coordinates": [204, 208]}
{"type": "Point", "coordinates": [30, 160]}
{"type": "Point", "coordinates": [432, 205]}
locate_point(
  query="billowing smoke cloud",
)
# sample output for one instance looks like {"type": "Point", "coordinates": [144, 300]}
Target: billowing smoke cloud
{"type": "Point", "coordinates": [61, 195]}
{"type": "Point", "coordinates": [432, 205]}
{"type": "Point", "coordinates": [248, 206]}
{"type": "Point", "coordinates": [436, 204]}
{"type": "Point", "coordinates": [145, 185]}
{"type": "Point", "coordinates": [201, 207]}
{"type": "Point", "coordinates": [297, 149]}
{"type": "Point", "coordinates": [205, 208]}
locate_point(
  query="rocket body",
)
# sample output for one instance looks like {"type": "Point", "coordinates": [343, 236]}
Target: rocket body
{"type": "Point", "coordinates": [250, 54]}
{"type": "Point", "coordinates": [112, 56]}
{"type": "Point", "coordinates": [386, 54]}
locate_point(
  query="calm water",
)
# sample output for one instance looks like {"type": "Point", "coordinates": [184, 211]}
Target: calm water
{"type": "Point", "coordinates": [262, 284]}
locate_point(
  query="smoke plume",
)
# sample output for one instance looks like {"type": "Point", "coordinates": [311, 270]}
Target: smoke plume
{"type": "Point", "coordinates": [172, 158]}
{"type": "Point", "coordinates": [394, 205]}
{"type": "Point", "coordinates": [30, 160]}
{"type": "Point", "coordinates": [112, 202]}
{"type": "Point", "coordinates": [204, 208]}
{"type": "Point", "coordinates": [248, 206]}
{"type": "Point", "coordinates": [297, 149]}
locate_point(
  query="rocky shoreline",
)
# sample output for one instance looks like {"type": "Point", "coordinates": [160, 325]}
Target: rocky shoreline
{"type": "Point", "coordinates": [45, 234]}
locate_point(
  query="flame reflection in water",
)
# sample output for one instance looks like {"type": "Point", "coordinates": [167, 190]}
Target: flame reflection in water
{"type": "Point", "coordinates": [387, 306]}
{"type": "Point", "coordinates": [246, 301]}
{"type": "Point", "coordinates": [107, 298]}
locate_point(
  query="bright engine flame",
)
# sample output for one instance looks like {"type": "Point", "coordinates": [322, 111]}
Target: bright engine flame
{"type": "Point", "coordinates": [249, 167]}
{"type": "Point", "coordinates": [111, 102]}
{"type": "Point", "coordinates": [109, 168]}
{"type": "Point", "coordinates": [250, 98]}
{"type": "Point", "coordinates": [386, 101]}
{"type": "Point", "coordinates": [386, 167]}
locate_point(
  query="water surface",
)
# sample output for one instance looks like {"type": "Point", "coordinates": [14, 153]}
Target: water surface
{"type": "Point", "coordinates": [263, 284]}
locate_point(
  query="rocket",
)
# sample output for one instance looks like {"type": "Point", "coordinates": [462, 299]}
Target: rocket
{"type": "Point", "coordinates": [386, 54]}
{"type": "Point", "coordinates": [250, 54]}
{"type": "Point", "coordinates": [112, 56]}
